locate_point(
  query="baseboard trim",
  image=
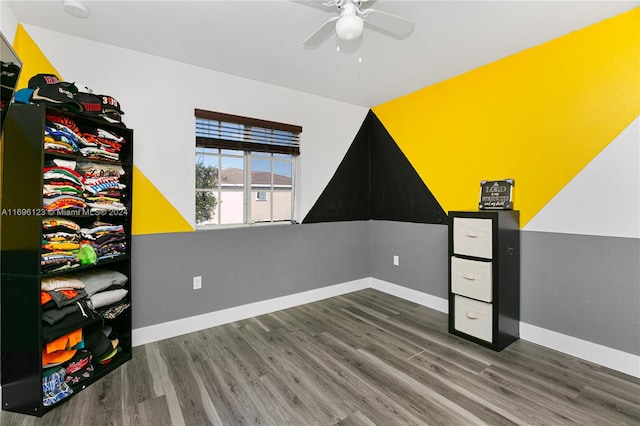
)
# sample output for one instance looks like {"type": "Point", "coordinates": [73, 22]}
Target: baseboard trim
{"type": "Point", "coordinates": [424, 299]}
{"type": "Point", "coordinates": [153, 333]}
{"type": "Point", "coordinates": [612, 358]}
{"type": "Point", "coordinates": [593, 352]}
{"type": "Point", "coordinates": [602, 355]}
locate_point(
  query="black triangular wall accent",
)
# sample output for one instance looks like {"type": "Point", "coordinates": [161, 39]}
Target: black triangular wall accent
{"type": "Point", "coordinates": [397, 191]}
{"type": "Point", "coordinates": [375, 180]}
{"type": "Point", "coordinates": [346, 196]}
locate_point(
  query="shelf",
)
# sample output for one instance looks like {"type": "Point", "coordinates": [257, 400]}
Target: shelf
{"type": "Point", "coordinates": [93, 121]}
{"type": "Point", "coordinates": [80, 157]}
{"type": "Point", "coordinates": [23, 159]}
{"type": "Point", "coordinates": [85, 267]}
{"type": "Point", "coordinates": [100, 371]}
{"type": "Point", "coordinates": [484, 276]}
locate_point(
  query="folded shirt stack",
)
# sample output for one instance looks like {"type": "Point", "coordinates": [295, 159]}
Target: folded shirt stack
{"type": "Point", "coordinates": [63, 135]}
{"type": "Point", "coordinates": [107, 240]}
{"type": "Point", "coordinates": [103, 186]}
{"type": "Point", "coordinates": [107, 145]}
{"type": "Point", "coordinates": [54, 387]}
{"type": "Point", "coordinates": [65, 299]}
{"type": "Point", "coordinates": [60, 243]}
{"type": "Point", "coordinates": [63, 186]}
{"type": "Point", "coordinates": [59, 138]}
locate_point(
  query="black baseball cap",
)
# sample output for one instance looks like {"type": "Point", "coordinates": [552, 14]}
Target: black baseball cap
{"type": "Point", "coordinates": [91, 104]}
{"type": "Point", "coordinates": [48, 88]}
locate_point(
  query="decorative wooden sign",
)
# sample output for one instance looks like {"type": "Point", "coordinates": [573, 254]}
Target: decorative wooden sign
{"type": "Point", "coordinates": [496, 194]}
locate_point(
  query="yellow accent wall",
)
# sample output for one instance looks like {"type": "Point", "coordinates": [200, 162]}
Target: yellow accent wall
{"type": "Point", "coordinates": [33, 60]}
{"type": "Point", "coordinates": [538, 116]}
{"type": "Point", "coordinates": [152, 212]}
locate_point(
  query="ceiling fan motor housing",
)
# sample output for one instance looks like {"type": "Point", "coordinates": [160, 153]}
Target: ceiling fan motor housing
{"type": "Point", "coordinates": [350, 25]}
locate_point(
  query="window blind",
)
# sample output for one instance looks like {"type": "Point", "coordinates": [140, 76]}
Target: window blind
{"type": "Point", "coordinates": [227, 131]}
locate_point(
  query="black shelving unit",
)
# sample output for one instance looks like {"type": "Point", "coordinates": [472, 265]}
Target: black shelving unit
{"type": "Point", "coordinates": [484, 276]}
{"type": "Point", "coordinates": [23, 160]}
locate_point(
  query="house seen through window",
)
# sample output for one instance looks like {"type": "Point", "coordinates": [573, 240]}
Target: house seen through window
{"type": "Point", "coordinates": [245, 169]}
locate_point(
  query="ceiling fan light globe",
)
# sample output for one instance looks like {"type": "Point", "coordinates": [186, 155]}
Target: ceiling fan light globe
{"type": "Point", "coordinates": [349, 27]}
{"type": "Point", "coordinates": [75, 8]}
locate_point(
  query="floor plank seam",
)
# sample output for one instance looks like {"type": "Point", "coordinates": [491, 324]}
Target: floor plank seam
{"type": "Point", "coordinates": [413, 356]}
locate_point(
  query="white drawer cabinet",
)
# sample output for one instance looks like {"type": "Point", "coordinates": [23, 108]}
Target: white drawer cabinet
{"type": "Point", "coordinates": [472, 278]}
{"type": "Point", "coordinates": [472, 237]}
{"type": "Point", "coordinates": [473, 317]}
{"type": "Point", "coordinates": [484, 276]}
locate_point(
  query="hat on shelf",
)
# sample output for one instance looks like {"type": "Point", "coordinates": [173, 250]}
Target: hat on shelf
{"type": "Point", "coordinates": [111, 111]}
{"type": "Point", "coordinates": [23, 96]}
{"type": "Point", "coordinates": [40, 80]}
{"type": "Point", "coordinates": [74, 97]}
{"type": "Point", "coordinates": [49, 89]}
{"type": "Point", "coordinates": [91, 105]}
{"type": "Point", "coordinates": [83, 88]}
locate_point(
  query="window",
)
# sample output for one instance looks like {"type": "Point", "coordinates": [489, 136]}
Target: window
{"type": "Point", "coordinates": [245, 169]}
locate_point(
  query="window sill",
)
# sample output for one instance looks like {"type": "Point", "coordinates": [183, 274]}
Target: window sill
{"type": "Point", "coordinates": [243, 225]}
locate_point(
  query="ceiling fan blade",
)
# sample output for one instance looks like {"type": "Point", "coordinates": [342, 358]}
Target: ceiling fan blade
{"type": "Point", "coordinates": [316, 4]}
{"type": "Point", "coordinates": [322, 33]}
{"type": "Point", "coordinates": [388, 23]}
{"type": "Point", "coordinates": [366, 4]}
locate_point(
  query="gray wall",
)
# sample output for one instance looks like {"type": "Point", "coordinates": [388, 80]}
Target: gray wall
{"type": "Point", "coordinates": [422, 249]}
{"type": "Point", "coordinates": [240, 266]}
{"type": "Point", "coordinates": [583, 286]}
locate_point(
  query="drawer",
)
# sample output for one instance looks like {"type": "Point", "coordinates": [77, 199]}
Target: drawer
{"type": "Point", "coordinates": [472, 278]}
{"type": "Point", "coordinates": [472, 237]}
{"type": "Point", "coordinates": [474, 318]}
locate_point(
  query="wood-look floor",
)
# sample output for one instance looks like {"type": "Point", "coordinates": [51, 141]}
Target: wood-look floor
{"type": "Point", "coordinates": [360, 359]}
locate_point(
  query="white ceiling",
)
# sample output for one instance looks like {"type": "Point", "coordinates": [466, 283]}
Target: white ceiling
{"type": "Point", "coordinates": [262, 40]}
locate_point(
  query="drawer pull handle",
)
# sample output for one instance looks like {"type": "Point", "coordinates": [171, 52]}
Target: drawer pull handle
{"type": "Point", "coordinates": [472, 315]}
{"type": "Point", "coordinates": [473, 234]}
{"type": "Point", "coordinates": [469, 277]}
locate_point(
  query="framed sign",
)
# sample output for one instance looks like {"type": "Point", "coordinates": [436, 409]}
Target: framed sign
{"type": "Point", "coordinates": [496, 194]}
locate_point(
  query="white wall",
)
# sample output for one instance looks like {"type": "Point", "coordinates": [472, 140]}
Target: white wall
{"type": "Point", "coordinates": [159, 96]}
{"type": "Point", "coordinates": [604, 198]}
{"type": "Point", "coordinates": [8, 21]}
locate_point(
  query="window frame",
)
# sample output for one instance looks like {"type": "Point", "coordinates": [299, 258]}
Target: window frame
{"type": "Point", "coordinates": [245, 144]}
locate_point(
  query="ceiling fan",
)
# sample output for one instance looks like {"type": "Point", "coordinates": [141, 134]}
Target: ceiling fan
{"type": "Point", "coordinates": [349, 24]}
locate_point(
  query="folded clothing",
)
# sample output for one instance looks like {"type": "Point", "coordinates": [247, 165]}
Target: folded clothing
{"type": "Point", "coordinates": [103, 185]}
{"type": "Point", "coordinates": [58, 261]}
{"type": "Point", "coordinates": [78, 319]}
{"type": "Point", "coordinates": [55, 388]}
{"type": "Point", "coordinates": [112, 311]}
{"type": "Point", "coordinates": [57, 357]}
{"type": "Point", "coordinates": [61, 297]}
{"type": "Point", "coordinates": [63, 343]}
{"type": "Point", "coordinates": [79, 368]}
{"type": "Point", "coordinates": [109, 297]}
{"type": "Point", "coordinates": [100, 279]}
{"type": "Point", "coordinates": [53, 316]}
{"type": "Point", "coordinates": [61, 282]}
{"type": "Point", "coordinates": [60, 244]}
{"type": "Point", "coordinates": [108, 240]}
